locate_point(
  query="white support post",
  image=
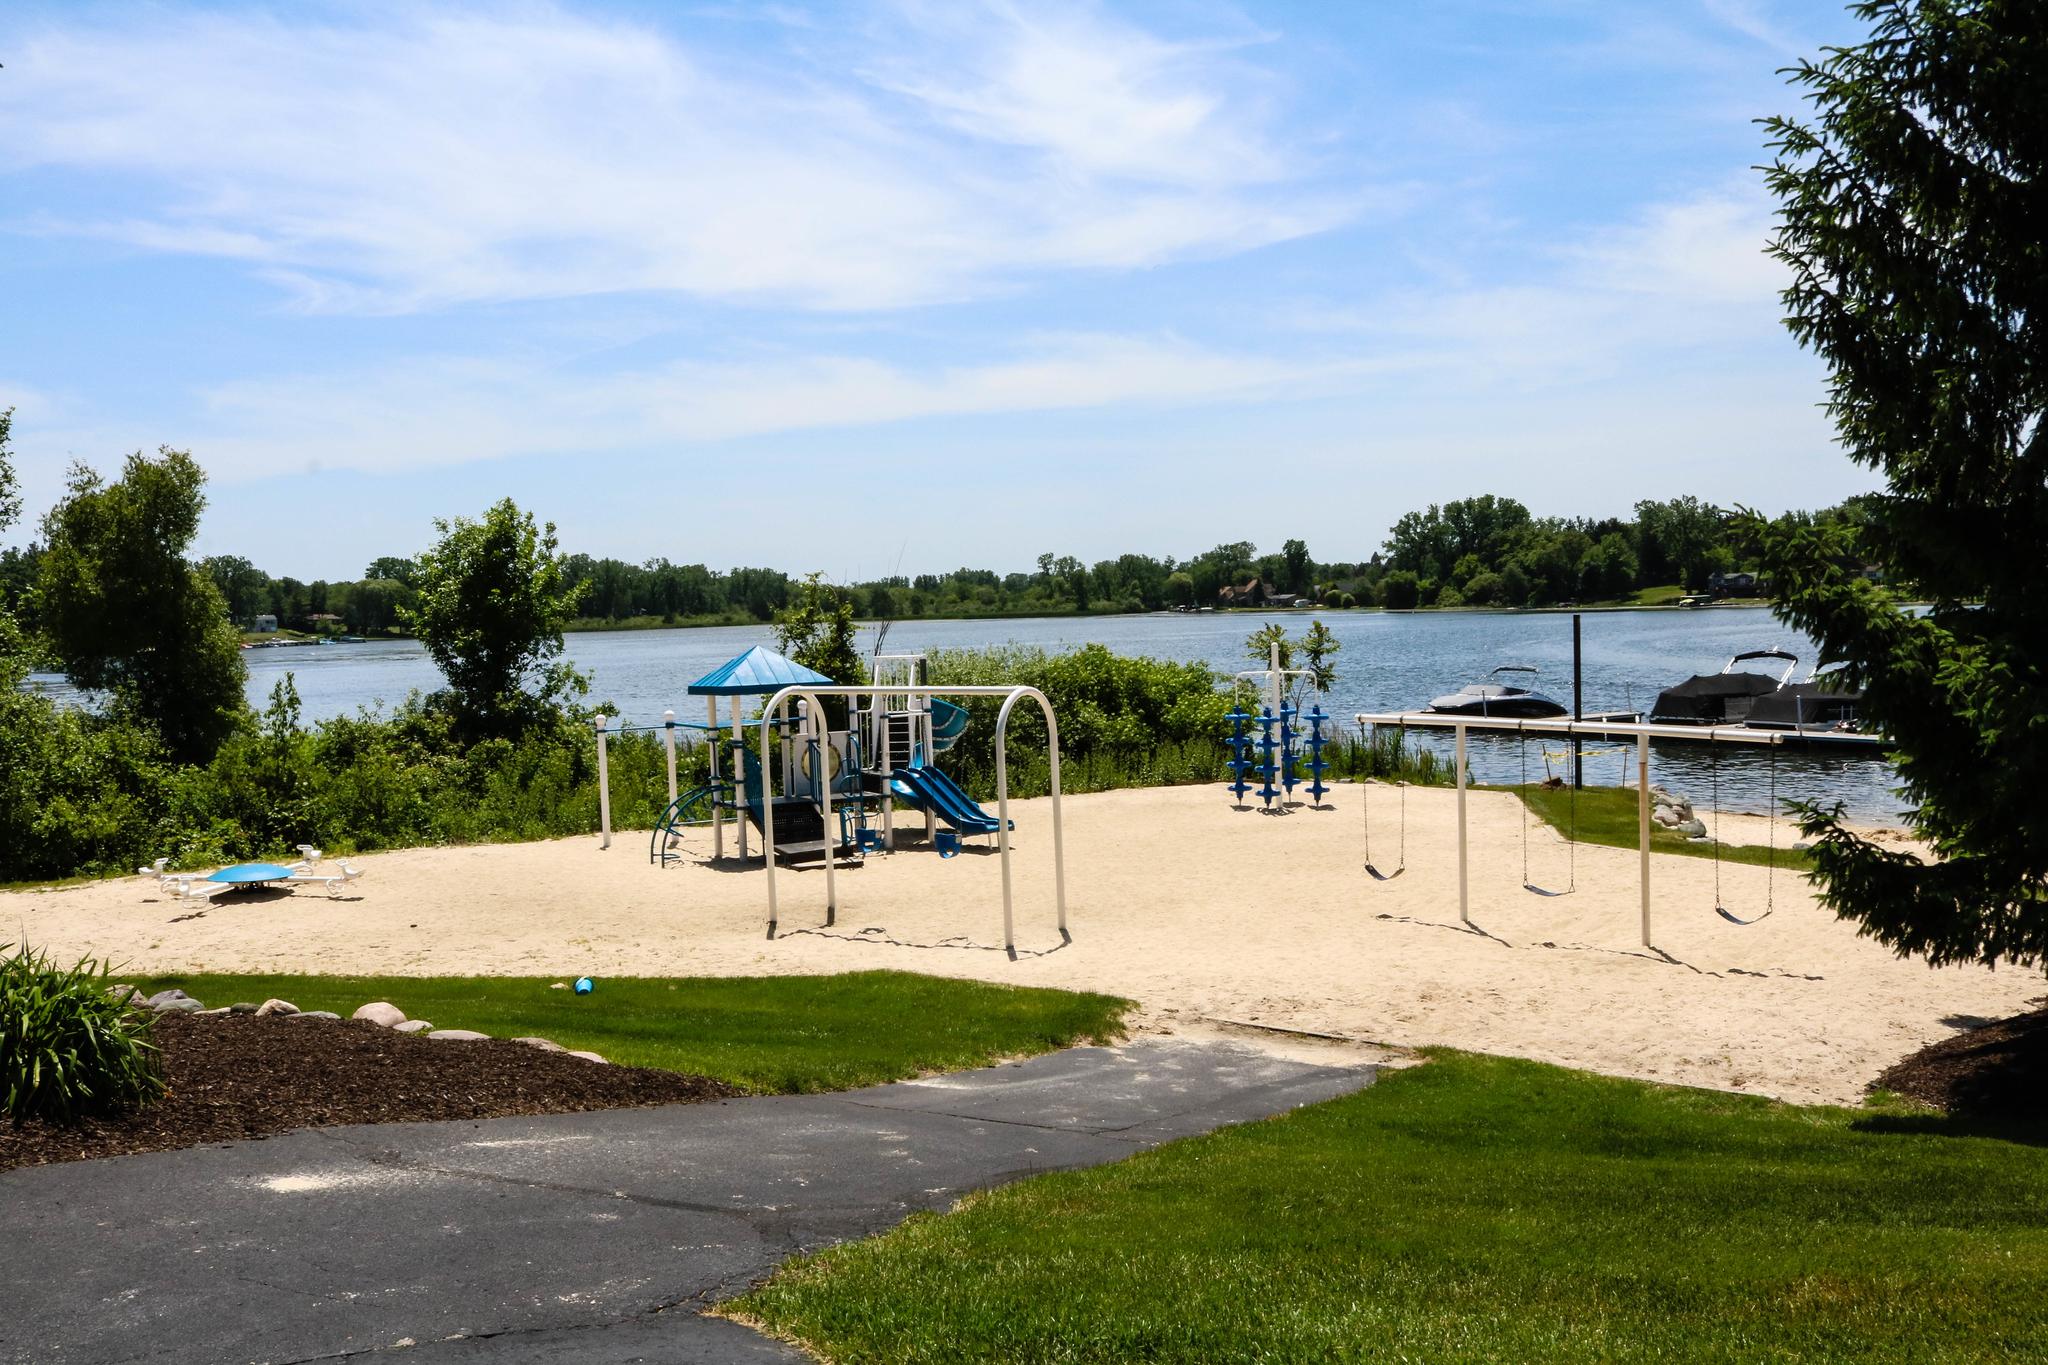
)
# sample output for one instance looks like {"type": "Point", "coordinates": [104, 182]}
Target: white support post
{"type": "Point", "coordinates": [604, 783]}
{"type": "Point", "coordinates": [717, 767]}
{"type": "Point", "coordinates": [768, 715]}
{"type": "Point", "coordinates": [739, 773]}
{"type": "Point", "coordinates": [1464, 870]}
{"type": "Point", "coordinates": [1643, 826]}
{"type": "Point", "coordinates": [668, 742]}
{"type": "Point", "coordinates": [1059, 848]}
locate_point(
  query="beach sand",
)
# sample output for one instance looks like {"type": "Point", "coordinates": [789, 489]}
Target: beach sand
{"type": "Point", "coordinates": [1199, 911]}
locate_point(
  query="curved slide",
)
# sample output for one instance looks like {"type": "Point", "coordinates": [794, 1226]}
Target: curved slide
{"type": "Point", "coordinates": [929, 789]}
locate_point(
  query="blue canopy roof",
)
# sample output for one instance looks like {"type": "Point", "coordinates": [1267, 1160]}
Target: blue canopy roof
{"type": "Point", "coordinates": [759, 672]}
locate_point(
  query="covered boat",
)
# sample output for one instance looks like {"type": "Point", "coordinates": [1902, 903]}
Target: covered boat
{"type": "Point", "coordinates": [1498, 697]}
{"type": "Point", "coordinates": [1822, 702]}
{"type": "Point", "coordinates": [1724, 698]}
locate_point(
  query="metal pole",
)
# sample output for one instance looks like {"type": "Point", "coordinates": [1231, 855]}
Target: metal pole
{"type": "Point", "coordinates": [668, 740]}
{"type": "Point", "coordinates": [1643, 825]}
{"type": "Point", "coordinates": [1059, 845]}
{"type": "Point", "coordinates": [717, 796]}
{"type": "Point", "coordinates": [604, 784]}
{"type": "Point", "coordinates": [1578, 707]}
{"type": "Point", "coordinates": [1464, 881]}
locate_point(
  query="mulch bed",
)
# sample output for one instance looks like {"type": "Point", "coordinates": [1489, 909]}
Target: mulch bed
{"type": "Point", "coordinates": [243, 1076]}
{"type": "Point", "coordinates": [1999, 1071]}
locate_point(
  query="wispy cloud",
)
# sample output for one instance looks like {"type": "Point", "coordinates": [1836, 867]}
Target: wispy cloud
{"type": "Point", "coordinates": [395, 159]}
{"type": "Point", "coordinates": [441, 411]}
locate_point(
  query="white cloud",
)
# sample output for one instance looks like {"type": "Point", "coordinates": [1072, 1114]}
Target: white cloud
{"type": "Point", "coordinates": [397, 159]}
{"type": "Point", "coordinates": [440, 412]}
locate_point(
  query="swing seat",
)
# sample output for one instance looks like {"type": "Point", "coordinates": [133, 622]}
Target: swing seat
{"type": "Point", "coordinates": [1384, 876]}
{"type": "Point", "coordinates": [1745, 923]}
{"type": "Point", "coordinates": [1536, 890]}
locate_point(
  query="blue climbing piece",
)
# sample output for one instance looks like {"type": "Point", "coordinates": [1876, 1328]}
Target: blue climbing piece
{"type": "Point", "coordinates": [1316, 766]}
{"type": "Point", "coordinates": [1290, 750]}
{"type": "Point", "coordinates": [1241, 761]}
{"type": "Point", "coordinates": [1269, 767]}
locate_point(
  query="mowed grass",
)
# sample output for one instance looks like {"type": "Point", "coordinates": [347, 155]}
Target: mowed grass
{"type": "Point", "coordinates": [1607, 815]}
{"type": "Point", "coordinates": [770, 1034]}
{"type": "Point", "coordinates": [1471, 1209]}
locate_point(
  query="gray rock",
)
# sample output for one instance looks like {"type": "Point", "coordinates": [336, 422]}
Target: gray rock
{"type": "Point", "coordinates": [459, 1035]}
{"type": "Point", "coordinates": [382, 1013]}
{"type": "Point", "coordinates": [412, 1026]}
{"type": "Point", "coordinates": [1691, 829]}
{"type": "Point", "coordinates": [173, 1000]}
{"type": "Point", "coordinates": [314, 1014]}
{"type": "Point", "coordinates": [590, 1057]}
{"type": "Point", "coordinates": [1665, 815]}
{"type": "Point", "coordinates": [544, 1044]}
{"type": "Point", "coordinates": [276, 1006]}
{"type": "Point", "coordinates": [218, 1009]}
{"type": "Point", "coordinates": [244, 1007]}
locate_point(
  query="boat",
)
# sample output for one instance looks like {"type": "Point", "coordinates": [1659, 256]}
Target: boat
{"type": "Point", "coordinates": [1724, 698]}
{"type": "Point", "coordinates": [1495, 697]}
{"type": "Point", "coordinates": [1822, 703]}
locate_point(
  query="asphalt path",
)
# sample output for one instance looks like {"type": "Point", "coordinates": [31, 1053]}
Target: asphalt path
{"type": "Point", "coordinates": [596, 1238]}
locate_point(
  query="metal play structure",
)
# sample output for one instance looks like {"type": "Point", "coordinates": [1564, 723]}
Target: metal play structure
{"type": "Point", "coordinates": [916, 778]}
{"type": "Point", "coordinates": [1280, 743]}
{"type": "Point", "coordinates": [813, 791]}
{"type": "Point", "coordinates": [1642, 733]}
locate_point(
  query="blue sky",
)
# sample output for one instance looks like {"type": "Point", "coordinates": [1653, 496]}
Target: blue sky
{"type": "Point", "coordinates": [852, 286]}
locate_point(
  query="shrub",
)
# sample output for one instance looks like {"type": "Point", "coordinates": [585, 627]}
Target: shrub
{"type": "Point", "coordinates": [68, 1049]}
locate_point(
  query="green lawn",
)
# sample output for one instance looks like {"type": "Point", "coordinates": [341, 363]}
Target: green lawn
{"type": "Point", "coordinates": [771, 1034]}
{"type": "Point", "coordinates": [1607, 815]}
{"type": "Point", "coordinates": [1472, 1209]}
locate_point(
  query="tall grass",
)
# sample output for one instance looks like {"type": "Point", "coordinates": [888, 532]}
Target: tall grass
{"type": "Point", "coordinates": [68, 1049]}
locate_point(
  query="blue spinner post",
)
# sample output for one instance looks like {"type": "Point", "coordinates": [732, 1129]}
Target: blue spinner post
{"type": "Point", "coordinates": [1290, 747]}
{"type": "Point", "coordinates": [1268, 767]}
{"type": "Point", "coordinates": [1316, 766]}
{"type": "Point", "coordinates": [1241, 761]}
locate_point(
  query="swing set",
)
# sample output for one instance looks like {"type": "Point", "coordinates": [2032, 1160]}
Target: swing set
{"type": "Point", "coordinates": [1522, 728]}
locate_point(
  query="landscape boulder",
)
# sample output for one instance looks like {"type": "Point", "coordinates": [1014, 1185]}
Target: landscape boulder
{"type": "Point", "coordinates": [314, 1014]}
{"type": "Point", "coordinates": [244, 1007]}
{"type": "Point", "coordinates": [459, 1035]}
{"type": "Point", "coordinates": [544, 1044]}
{"type": "Point", "coordinates": [1692, 829]}
{"type": "Point", "coordinates": [174, 1002]}
{"type": "Point", "coordinates": [382, 1013]}
{"type": "Point", "coordinates": [276, 1006]}
{"type": "Point", "coordinates": [590, 1057]}
{"type": "Point", "coordinates": [413, 1026]}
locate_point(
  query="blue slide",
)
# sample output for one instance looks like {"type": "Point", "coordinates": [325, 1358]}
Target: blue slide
{"type": "Point", "coordinates": [929, 789]}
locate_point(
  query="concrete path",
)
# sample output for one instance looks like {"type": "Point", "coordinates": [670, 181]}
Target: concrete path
{"type": "Point", "coordinates": [595, 1238]}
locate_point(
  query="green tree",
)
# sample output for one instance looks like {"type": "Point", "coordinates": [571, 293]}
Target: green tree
{"type": "Point", "coordinates": [1679, 537]}
{"type": "Point", "coordinates": [125, 613]}
{"type": "Point", "coordinates": [243, 586]}
{"type": "Point", "coordinates": [1258, 646]}
{"type": "Point", "coordinates": [397, 569]}
{"type": "Point", "coordinates": [1914, 217]}
{"type": "Point", "coordinates": [1180, 589]}
{"type": "Point", "coordinates": [1296, 567]}
{"type": "Point", "coordinates": [1400, 590]}
{"type": "Point", "coordinates": [490, 606]}
{"type": "Point", "coordinates": [1319, 647]}
{"type": "Point", "coordinates": [10, 488]}
{"type": "Point", "coordinates": [817, 630]}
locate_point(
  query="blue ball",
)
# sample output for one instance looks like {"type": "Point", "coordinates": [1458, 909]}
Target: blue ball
{"type": "Point", "coordinates": [584, 985]}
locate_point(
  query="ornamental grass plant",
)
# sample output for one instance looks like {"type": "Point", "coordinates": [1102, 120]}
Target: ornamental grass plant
{"type": "Point", "coordinates": [69, 1049]}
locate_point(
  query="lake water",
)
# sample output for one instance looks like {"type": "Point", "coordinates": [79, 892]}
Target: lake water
{"type": "Point", "coordinates": [1388, 662]}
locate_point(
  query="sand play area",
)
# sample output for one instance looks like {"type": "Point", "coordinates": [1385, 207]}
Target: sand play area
{"type": "Point", "coordinates": [1197, 910]}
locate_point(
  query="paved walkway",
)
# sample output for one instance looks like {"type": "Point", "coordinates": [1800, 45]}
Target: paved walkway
{"type": "Point", "coordinates": [587, 1237]}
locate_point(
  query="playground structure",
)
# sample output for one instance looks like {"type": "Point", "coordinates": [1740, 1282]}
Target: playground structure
{"type": "Point", "coordinates": [815, 792]}
{"type": "Point", "coordinates": [1642, 733]}
{"type": "Point", "coordinates": [1279, 742]}
{"type": "Point", "coordinates": [252, 876]}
